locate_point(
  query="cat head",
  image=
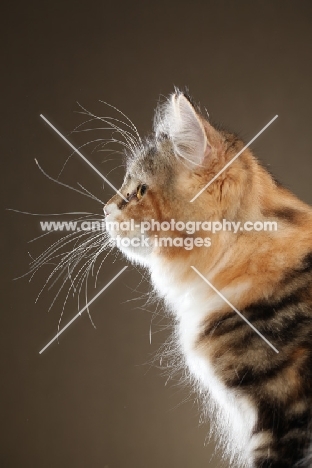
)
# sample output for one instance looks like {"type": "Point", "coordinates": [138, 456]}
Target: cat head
{"type": "Point", "coordinates": [162, 178]}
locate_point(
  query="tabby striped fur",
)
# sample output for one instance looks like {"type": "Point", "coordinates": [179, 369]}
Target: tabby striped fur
{"type": "Point", "coordinates": [263, 397]}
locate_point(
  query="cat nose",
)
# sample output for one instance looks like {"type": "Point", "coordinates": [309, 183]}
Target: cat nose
{"type": "Point", "coordinates": [108, 208]}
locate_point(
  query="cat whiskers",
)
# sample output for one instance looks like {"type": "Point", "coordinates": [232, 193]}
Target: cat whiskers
{"type": "Point", "coordinates": [74, 152]}
{"type": "Point", "coordinates": [70, 266]}
{"type": "Point", "coordinates": [103, 142]}
{"type": "Point", "coordinates": [68, 256]}
{"type": "Point", "coordinates": [66, 185]}
{"type": "Point", "coordinates": [89, 193]}
{"type": "Point", "coordinates": [75, 257]}
{"type": "Point", "coordinates": [132, 142]}
{"type": "Point", "coordinates": [128, 119]}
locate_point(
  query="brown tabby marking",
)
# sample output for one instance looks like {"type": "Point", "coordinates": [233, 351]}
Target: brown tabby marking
{"type": "Point", "coordinates": [268, 276]}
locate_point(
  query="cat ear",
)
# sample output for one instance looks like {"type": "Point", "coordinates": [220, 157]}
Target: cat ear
{"type": "Point", "coordinates": [185, 129]}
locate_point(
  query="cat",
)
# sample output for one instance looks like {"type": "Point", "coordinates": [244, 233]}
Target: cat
{"type": "Point", "coordinates": [261, 390]}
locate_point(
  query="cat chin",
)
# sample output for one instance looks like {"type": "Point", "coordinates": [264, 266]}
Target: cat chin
{"type": "Point", "coordinates": [136, 256]}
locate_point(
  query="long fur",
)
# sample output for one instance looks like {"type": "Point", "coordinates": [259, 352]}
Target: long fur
{"type": "Point", "coordinates": [259, 400]}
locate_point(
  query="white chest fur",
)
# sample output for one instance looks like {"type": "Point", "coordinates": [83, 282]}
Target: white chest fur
{"type": "Point", "coordinates": [234, 413]}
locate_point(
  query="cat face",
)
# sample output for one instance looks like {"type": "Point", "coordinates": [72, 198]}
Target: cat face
{"type": "Point", "coordinates": [162, 178]}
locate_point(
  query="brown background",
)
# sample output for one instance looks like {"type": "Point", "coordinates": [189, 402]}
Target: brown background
{"type": "Point", "coordinates": [93, 400]}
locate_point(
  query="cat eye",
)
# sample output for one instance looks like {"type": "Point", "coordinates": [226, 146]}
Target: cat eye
{"type": "Point", "coordinates": [141, 190]}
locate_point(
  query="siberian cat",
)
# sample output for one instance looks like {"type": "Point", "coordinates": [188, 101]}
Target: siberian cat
{"type": "Point", "coordinates": [262, 389]}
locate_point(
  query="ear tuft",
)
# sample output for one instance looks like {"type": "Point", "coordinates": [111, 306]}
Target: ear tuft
{"type": "Point", "coordinates": [179, 120]}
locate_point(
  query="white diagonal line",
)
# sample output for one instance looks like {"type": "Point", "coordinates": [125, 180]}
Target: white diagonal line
{"type": "Point", "coordinates": [83, 309]}
{"type": "Point", "coordinates": [83, 157]}
{"type": "Point", "coordinates": [237, 311]}
{"type": "Point", "coordinates": [233, 159]}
